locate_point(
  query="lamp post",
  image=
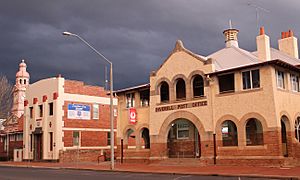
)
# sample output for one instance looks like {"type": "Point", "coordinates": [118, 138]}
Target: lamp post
{"type": "Point", "coordinates": [111, 93]}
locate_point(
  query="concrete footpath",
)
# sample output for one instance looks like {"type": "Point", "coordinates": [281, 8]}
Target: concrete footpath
{"type": "Point", "coordinates": [242, 171]}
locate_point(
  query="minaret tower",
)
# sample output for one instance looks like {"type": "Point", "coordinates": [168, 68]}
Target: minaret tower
{"type": "Point", "coordinates": [22, 82]}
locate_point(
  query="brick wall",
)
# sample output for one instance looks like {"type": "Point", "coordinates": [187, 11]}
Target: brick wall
{"type": "Point", "coordinates": [78, 87]}
{"type": "Point", "coordinates": [181, 148]}
{"type": "Point", "coordinates": [83, 155]}
{"type": "Point", "coordinates": [87, 138]}
{"type": "Point", "coordinates": [92, 138]}
{"type": "Point", "coordinates": [68, 138]}
{"type": "Point", "coordinates": [102, 122]}
{"type": "Point", "coordinates": [12, 145]}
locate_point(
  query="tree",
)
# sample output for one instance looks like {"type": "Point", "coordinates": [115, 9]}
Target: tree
{"type": "Point", "coordinates": [6, 98]}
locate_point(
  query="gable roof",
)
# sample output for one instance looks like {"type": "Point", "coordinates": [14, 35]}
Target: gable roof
{"type": "Point", "coordinates": [179, 47]}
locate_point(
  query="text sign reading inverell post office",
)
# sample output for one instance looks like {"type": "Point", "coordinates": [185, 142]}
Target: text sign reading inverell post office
{"type": "Point", "coordinates": [181, 106]}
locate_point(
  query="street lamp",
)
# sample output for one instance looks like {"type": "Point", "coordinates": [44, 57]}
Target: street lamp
{"type": "Point", "coordinates": [111, 93]}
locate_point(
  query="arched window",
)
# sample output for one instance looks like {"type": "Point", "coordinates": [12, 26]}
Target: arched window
{"type": "Point", "coordinates": [198, 86]}
{"type": "Point", "coordinates": [297, 129]}
{"type": "Point", "coordinates": [229, 133]}
{"type": "Point", "coordinates": [20, 81]}
{"type": "Point", "coordinates": [25, 81]}
{"type": "Point", "coordinates": [164, 92]}
{"type": "Point", "coordinates": [180, 89]}
{"type": "Point", "coordinates": [254, 133]}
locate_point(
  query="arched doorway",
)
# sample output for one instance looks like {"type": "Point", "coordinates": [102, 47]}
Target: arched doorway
{"type": "Point", "coordinates": [146, 138]}
{"type": "Point", "coordinates": [130, 137]}
{"type": "Point", "coordinates": [284, 137]}
{"type": "Point", "coordinates": [183, 140]}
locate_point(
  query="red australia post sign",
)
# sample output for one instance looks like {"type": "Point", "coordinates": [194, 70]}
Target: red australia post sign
{"type": "Point", "coordinates": [132, 116]}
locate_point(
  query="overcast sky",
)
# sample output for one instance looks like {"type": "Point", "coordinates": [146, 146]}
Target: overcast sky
{"type": "Point", "coordinates": [136, 35]}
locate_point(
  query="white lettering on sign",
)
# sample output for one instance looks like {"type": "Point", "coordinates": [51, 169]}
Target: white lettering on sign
{"type": "Point", "coordinates": [132, 115]}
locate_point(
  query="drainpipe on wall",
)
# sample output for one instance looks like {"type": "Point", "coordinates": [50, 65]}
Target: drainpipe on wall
{"type": "Point", "coordinates": [215, 149]}
{"type": "Point", "coordinates": [122, 155]}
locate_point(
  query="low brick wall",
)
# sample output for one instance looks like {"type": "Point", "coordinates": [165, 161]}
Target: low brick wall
{"type": "Point", "coordinates": [84, 155]}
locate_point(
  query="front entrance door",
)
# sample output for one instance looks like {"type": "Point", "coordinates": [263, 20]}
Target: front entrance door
{"type": "Point", "coordinates": [183, 140]}
{"type": "Point", "coordinates": [38, 147]}
{"type": "Point", "coordinates": [284, 139]}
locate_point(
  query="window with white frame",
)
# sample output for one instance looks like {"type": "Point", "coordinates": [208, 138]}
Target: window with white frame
{"type": "Point", "coordinates": [183, 130]}
{"type": "Point", "coordinates": [12, 137]}
{"type": "Point", "coordinates": [129, 100]}
{"type": "Point", "coordinates": [144, 97]}
{"type": "Point", "coordinates": [19, 137]}
{"type": "Point", "coordinates": [297, 129]}
{"type": "Point", "coordinates": [95, 111]}
{"type": "Point", "coordinates": [50, 105]}
{"type": "Point", "coordinates": [251, 79]}
{"type": "Point", "coordinates": [31, 112]}
{"type": "Point", "coordinates": [280, 79]}
{"type": "Point", "coordinates": [76, 138]}
{"type": "Point", "coordinates": [295, 83]}
{"type": "Point", "coordinates": [5, 144]}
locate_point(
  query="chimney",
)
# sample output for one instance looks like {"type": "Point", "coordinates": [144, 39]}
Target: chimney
{"type": "Point", "coordinates": [263, 46]}
{"type": "Point", "coordinates": [231, 37]}
{"type": "Point", "coordinates": [288, 44]}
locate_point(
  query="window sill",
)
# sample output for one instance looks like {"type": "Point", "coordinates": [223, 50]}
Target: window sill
{"type": "Point", "coordinates": [199, 97]}
{"type": "Point", "coordinates": [228, 147]}
{"type": "Point", "coordinates": [295, 92]}
{"type": "Point", "coordinates": [180, 100]}
{"type": "Point", "coordinates": [228, 93]}
{"type": "Point", "coordinates": [256, 146]}
{"type": "Point", "coordinates": [250, 90]}
{"type": "Point", "coordinates": [281, 89]}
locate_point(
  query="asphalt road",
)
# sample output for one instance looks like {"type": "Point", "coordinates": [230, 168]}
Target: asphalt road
{"type": "Point", "coordinates": [20, 173]}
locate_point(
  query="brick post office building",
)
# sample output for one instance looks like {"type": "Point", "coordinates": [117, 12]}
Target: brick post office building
{"type": "Point", "coordinates": [230, 107]}
{"type": "Point", "coordinates": [66, 120]}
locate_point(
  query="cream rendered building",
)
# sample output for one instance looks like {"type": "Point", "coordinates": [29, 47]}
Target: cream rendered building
{"type": "Point", "coordinates": [54, 130]}
{"type": "Point", "coordinates": [230, 107]}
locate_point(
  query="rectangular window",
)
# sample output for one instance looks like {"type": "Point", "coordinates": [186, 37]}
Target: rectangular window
{"type": "Point", "coordinates": [19, 137]}
{"type": "Point", "coordinates": [280, 79]}
{"type": "Point", "coordinates": [108, 138]}
{"type": "Point", "coordinates": [226, 83]}
{"type": "Point", "coordinates": [12, 137]}
{"type": "Point", "coordinates": [75, 138]}
{"type": "Point", "coordinates": [41, 110]}
{"type": "Point", "coordinates": [31, 112]}
{"type": "Point", "coordinates": [129, 100]}
{"type": "Point", "coordinates": [183, 130]}
{"type": "Point", "coordinates": [51, 141]}
{"type": "Point", "coordinates": [5, 144]}
{"type": "Point", "coordinates": [295, 83]}
{"type": "Point", "coordinates": [144, 98]}
{"type": "Point", "coordinates": [50, 109]}
{"type": "Point", "coordinates": [95, 111]}
{"type": "Point", "coordinates": [251, 79]}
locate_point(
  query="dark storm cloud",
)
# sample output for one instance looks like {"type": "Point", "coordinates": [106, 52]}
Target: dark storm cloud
{"type": "Point", "coordinates": [135, 35]}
